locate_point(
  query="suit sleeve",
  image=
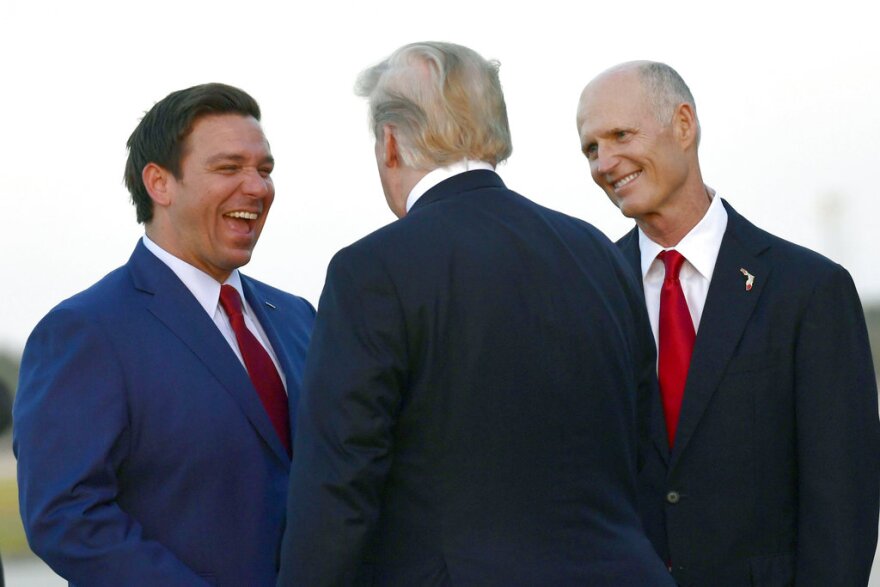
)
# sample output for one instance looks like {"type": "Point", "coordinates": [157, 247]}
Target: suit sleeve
{"type": "Point", "coordinates": [353, 380]}
{"type": "Point", "coordinates": [71, 439]}
{"type": "Point", "coordinates": [838, 438]}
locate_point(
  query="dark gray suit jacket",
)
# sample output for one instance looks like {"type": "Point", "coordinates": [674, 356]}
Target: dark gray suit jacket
{"type": "Point", "coordinates": [468, 415]}
{"type": "Point", "coordinates": [773, 480]}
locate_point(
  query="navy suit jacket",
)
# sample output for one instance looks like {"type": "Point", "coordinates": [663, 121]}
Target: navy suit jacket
{"type": "Point", "coordinates": [144, 454]}
{"type": "Point", "coordinates": [773, 480]}
{"type": "Point", "coordinates": [468, 414]}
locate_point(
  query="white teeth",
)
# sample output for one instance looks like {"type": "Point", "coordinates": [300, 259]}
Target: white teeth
{"type": "Point", "coordinates": [244, 215]}
{"type": "Point", "coordinates": [622, 182]}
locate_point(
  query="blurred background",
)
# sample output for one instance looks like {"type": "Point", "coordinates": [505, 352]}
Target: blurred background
{"type": "Point", "coordinates": [786, 94]}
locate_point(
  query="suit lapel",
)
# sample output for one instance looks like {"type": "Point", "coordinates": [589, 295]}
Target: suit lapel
{"type": "Point", "coordinates": [174, 305]}
{"type": "Point", "coordinates": [272, 318]}
{"type": "Point", "coordinates": [727, 311]}
{"type": "Point", "coordinates": [629, 246]}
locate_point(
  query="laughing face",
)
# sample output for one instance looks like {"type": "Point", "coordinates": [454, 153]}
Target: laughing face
{"type": "Point", "coordinates": [212, 215]}
{"type": "Point", "coordinates": [633, 157]}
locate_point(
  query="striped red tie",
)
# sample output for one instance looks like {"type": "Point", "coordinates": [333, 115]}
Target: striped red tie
{"type": "Point", "coordinates": [676, 341]}
{"type": "Point", "coordinates": [259, 366]}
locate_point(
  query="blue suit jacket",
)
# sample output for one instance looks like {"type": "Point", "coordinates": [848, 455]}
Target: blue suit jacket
{"type": "Point", "coordinates": [468, 415]}
{"type": "Point", "coordinates": [775, 474]}
{"type": "Point", "coordinates": [144, 454]}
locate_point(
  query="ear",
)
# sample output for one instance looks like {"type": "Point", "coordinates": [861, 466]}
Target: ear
{"type": "Point", "coordinates": [391, 152]}
{"type": "Point", "coordinates": [685, 125]}
{"type": "Point", "coordinates": [158, 182]}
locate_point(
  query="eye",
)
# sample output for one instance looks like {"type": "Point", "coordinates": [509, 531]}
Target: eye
{"type": "Point", "coordinates": [266, 171]}
{"type": "Point", "coordinates": [622, 134]}
{"type": "Point", "coordinates": [591, 151]}
{"type": "Point", "coordinates": [229, 168]}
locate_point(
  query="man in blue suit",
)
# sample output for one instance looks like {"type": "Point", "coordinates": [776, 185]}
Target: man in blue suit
{"type": "Point", "coordinates": [469, 405]}
{"type": "Point", "coordinates": [761, 468]}
{"type": "Point", "coordinates": [151, 421]}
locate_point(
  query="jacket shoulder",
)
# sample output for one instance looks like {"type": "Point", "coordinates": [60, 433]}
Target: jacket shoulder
{"type": "Point", "coordinates": [785, 255]}
{"type": "Point", "coordinates": [98, 298]}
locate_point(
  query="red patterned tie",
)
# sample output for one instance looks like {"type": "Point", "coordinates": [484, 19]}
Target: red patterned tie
{"type": "Point", "coordinates": [676, 341]}
{"type": "Point", "coordinates": [259, 365]}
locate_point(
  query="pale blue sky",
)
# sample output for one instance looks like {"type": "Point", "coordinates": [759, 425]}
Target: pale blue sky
{"type": "Point", "coordinates": [786, 94]}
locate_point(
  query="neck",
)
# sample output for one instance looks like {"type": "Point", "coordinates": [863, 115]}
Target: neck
{"type": "Point", "coordinates": [407, 180]}
{"type": "Point", "coordinates": [667, 227]}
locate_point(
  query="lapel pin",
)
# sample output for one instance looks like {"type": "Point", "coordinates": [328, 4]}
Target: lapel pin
{"type": "Point", "coordinates": [750, 279]}
{"type": "Point", "coordinates": [271, 305]}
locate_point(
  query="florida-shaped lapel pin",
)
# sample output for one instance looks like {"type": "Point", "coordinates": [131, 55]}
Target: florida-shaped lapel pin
{"type": "Point", "coordinates": [750, 279]}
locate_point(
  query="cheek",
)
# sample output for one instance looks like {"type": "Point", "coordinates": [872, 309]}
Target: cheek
{"type": "Point", "coordinates": [671, 170]}
{"type": "Point", "coordinates": [270, 197]}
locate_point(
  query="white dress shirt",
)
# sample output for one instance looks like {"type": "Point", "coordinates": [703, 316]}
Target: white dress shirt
{"type": "Point", "coordinates": [700, 249]}
{"type": "Point", "coordinates": [206, 290]}
{"type": "Point", "coordinates": [441, 173]}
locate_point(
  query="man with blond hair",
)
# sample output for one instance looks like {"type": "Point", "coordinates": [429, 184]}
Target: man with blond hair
{"type": "Point", "coordinates": [469, 401]}
{"type": "Point", "coordinates": [762, 463]}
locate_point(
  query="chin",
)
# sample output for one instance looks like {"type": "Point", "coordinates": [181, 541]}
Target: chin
{"type": "Point", "coordinates": [631, 207]}
{"type": "Point", "coordinates": [240, 260]}
{"type": "Point", "coordinates": [625, 207]}
{"type": "Point", "coordinates": [629, 212]}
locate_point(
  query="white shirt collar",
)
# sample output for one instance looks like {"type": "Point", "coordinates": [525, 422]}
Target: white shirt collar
{"type": "Point", "coordinates": [203, 287]}
{"type": "Point", "coordinates": [442, 173]}
{"type": "Point", "coordinates": [700, 246]}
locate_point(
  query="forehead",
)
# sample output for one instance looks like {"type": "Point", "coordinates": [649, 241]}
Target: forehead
{"type": "Point", "coordinates": [234, 133]}
{"type": "Point", "coordinates": [613, 101]}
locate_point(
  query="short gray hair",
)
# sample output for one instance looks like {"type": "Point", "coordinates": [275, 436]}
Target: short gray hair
{"type": "Point", "coordinates": [444, 102]}
{"type": "Point", "coordinates": [666, 89]}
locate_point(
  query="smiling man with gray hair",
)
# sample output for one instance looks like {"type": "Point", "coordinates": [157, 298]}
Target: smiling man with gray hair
{"type": "Point", "coordinates": [468, 411]}
{"type": "Point", "coordinates": [761, 467]}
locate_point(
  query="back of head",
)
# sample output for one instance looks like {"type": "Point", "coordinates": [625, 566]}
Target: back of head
{"type": "Point", "coordinates": [444, 102]}
{"type": "Point", "coordinates": [160, 136]}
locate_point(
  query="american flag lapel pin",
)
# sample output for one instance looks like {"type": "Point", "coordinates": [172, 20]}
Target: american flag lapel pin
{"type": "Point", "coordinates": [750, 279]}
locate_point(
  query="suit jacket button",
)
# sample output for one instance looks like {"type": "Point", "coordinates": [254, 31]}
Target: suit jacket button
{"type": "Point", "coordinates": [673, 497]}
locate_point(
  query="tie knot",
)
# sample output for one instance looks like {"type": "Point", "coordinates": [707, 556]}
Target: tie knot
{"type": "Point", "coordinates": [672, 260]}
{"type": "Point", "coordinates": [230, 300]}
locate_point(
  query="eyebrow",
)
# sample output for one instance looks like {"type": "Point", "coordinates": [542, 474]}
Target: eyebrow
{"type": "Point", "coordinates": [607, 133]}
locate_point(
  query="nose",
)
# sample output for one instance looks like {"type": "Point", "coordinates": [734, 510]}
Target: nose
{"type": "Point", "coordinates": [255, 184]}
{"type": "Point", "coordinates": [605, 160]}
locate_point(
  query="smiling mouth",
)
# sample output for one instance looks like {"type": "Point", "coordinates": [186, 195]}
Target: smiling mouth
{"type": "Point", "coordinates": [625, 180]}
{"type": "Point", "coordinates": [242, 215]}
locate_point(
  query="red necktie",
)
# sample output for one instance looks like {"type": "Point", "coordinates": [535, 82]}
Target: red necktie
{"type": "Point", "coordinates": [259, 366]}
{"type": "Point", "coordinates": [676, 341]}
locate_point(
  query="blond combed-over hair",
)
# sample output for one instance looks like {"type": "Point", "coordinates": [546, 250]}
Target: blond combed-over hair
{"type": "Point", "coordinates": [443, 101]}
